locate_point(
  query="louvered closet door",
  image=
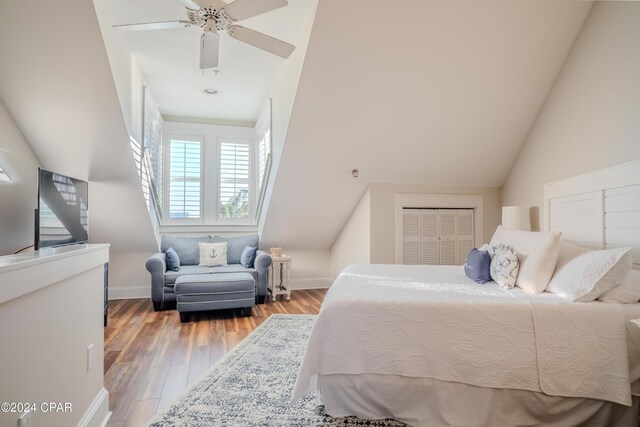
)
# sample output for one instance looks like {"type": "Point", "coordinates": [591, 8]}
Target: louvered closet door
{"type": "Point", "coordinates": [464, 234]}
{"type": "Point", "coordinates": [448, 241]}
{"type": "Point", "coordinates": [429, 236]}
{"type": "Point", "coordinates": [411, 236]}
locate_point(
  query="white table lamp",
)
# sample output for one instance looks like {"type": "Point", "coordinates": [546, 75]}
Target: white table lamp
{"type": "Point", "coordinates": [516, 218]}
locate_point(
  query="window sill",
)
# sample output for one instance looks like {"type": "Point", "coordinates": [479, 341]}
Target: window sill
{"type": "Point", "coordinates": [211, 228]}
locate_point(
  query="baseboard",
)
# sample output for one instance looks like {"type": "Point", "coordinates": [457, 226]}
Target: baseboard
{"type": "Point", "coordinates": [97, 414]}
{"type": "Point", "coordinates": [130, 293]}
{"type": "Point", "coordinates": [312, 283]}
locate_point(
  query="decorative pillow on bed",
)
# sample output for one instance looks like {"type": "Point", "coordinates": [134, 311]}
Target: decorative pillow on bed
{"type": "Point", "coordinates": [627, 292]}
{"type": "Point", "coordinates": [477, 265]}
{"type": "Point", "coordinates": [537, 253]}
{"type": "Point", "coordinates": [504, 266]}
{"type": "Point", "coordinates": [584, 275]}
{"type": "Point", "coordinates": [213, 254]}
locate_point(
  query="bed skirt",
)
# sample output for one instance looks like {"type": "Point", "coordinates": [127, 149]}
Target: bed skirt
{"type": "Point", "coordinates": [428, 402]}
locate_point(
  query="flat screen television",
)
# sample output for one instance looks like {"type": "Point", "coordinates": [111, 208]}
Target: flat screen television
{"type": "Point", "coordinates": [63, 208]}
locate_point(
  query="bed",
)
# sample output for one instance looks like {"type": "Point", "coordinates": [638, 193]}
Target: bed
{"type": "Point", "coordinates": [428, 346]}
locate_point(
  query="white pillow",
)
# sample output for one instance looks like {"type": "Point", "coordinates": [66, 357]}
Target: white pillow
{"type": "Point", "coordinates": [212, 254]}
{"type": "Point", "coordinates": [504, 264]}
{"type": "Point", "coordinates": [627, 292]}
{"type": "Point", "coordinates": [537, 253]}
{"type": "Point", "coordinates": [585, 275]}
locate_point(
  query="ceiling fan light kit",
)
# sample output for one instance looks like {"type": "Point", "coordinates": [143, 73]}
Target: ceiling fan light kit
{"type": "Point", "coordinates": [216, 15]}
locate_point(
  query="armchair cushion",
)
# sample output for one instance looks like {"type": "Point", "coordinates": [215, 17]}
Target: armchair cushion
{"type": "Point", "coordinates": [235, 246]}
{"type": "Point", "coordinates": [248, 255]}
{"type": "Point", "coordinates": [172, 259]}
{"type": "Point", "coordinates": [186, 247]}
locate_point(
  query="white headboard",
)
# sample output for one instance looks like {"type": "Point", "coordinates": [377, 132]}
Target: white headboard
{"type": "Point", "coordinates": [599, 209]}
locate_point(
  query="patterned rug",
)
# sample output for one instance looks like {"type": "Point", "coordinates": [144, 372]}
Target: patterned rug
{"type": "Point", "coordinates": [252, 384]}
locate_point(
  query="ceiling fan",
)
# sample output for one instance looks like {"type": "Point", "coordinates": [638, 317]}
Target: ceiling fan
{"type": "Point", "coordinates": [216, 15]}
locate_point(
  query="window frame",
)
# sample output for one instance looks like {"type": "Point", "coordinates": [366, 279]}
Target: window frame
{"type": "Point", "coordinates": [210, 158]}
{"type": "Point", "coordinates": [166, 208]}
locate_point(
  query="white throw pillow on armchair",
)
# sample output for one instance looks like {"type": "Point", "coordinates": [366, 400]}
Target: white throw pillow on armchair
{"type": "Point", "coordinates": [213, 254]}
{"type": "Point", "coordinates": [537, 252]}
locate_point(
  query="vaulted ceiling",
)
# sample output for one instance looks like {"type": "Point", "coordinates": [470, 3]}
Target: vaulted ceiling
{"type": "Point", "coordinates": [435, 92]}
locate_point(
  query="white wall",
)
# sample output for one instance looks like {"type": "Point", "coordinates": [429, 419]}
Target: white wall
{"type": "Point", "coordinates": [128, 276]}
{"type": "Point", "coordinates": [18, 199]}
{"type": "Point", "coordinates": [383, 214]}
{"type": "Point", "coordinates": [353, 245]}
{"type": "Point", "coordinates": [283, 96]}
{"type": "Point", "coordinates": [126, 74]}
{"type": "Point", "coordinates": [309, 268]}
{"type": "Point", "coordinates": [590, 119]}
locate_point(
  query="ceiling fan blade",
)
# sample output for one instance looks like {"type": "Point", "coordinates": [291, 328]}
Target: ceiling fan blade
{"type": "Point", "coordinates": [261, 41]}
{"type": "Point", "coordinates": [209, 46]}
{"type": "Point", "coordinates": [164, 25]}
{"type": "Point", "coordinates": [214, 4]}
{"type": "Point", "coordinates": [243, 9]}
{"type": "Point", "coordinates": [189, 4]}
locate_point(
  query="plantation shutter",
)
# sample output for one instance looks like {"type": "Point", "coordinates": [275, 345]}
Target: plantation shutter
{"type": "Point", "coordinates": [429, 236]}
{"type": "Point", "coordinates": [411, 236]}
{"type": "Point", "coordinates": [464, 234]}
{"type": "Point", "coordinates": [185, 172]}
{"type": "Point", "coordinates": [152, 140]}
{"type": "Point", "coordinates": [447, 223]}
{"type": "Point", "coordinates": [233, 195]}
{"type": "Point", "coordinates": [264, 149]}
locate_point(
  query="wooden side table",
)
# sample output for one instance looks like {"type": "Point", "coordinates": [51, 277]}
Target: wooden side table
{"type": "Point", "coordinates": [278, 277]}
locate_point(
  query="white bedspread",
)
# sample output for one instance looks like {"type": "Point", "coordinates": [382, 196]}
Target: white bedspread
{"type": "Point", "coordinates": [433, 322]}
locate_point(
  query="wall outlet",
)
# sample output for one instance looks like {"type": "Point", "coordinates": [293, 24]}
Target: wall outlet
{"type": "Point", "coordinates": [25, 420]}
{"type": "Point", "coordinates": [90, 358]}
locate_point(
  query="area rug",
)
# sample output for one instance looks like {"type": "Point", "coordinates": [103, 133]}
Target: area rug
{"type": "Point", "coordinates": [252, 384]}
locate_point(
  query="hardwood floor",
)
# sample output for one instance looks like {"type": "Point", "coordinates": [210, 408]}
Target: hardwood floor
{"type": "Point", "coordinates": [150, 357]}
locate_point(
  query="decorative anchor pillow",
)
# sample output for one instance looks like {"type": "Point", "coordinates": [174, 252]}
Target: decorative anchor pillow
{"type": "Point", "coordinates": [504, 264]}
{"type": "Point", "coordinates": [213, 254]}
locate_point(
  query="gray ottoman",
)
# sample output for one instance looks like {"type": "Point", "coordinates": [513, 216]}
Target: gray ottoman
{"type": "Point", "coordinates": [201, 292]}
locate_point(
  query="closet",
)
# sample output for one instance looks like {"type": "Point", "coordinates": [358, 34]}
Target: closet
{"type": "Point", "coordinates": [436, 236]}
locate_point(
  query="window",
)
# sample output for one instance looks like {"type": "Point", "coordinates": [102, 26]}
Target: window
{"type": "Point", "coordinates": [185, 178]}
{"type": "Point", "coordinates": [152, 141]}
{"type": "Point", "coordinates": [234, 178]}
{"type": "Point", "coordinates": [264, 150]}
{"type": "Point", "coordinates": [210, 176]}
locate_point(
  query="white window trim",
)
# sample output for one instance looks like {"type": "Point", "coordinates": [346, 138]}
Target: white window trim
{"type": "Point", "coordinates": [209, 185]}
{"type": "Point", "coordinates": [426, 201]}
{"type": "Point", "coordinates": [167, 220]}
